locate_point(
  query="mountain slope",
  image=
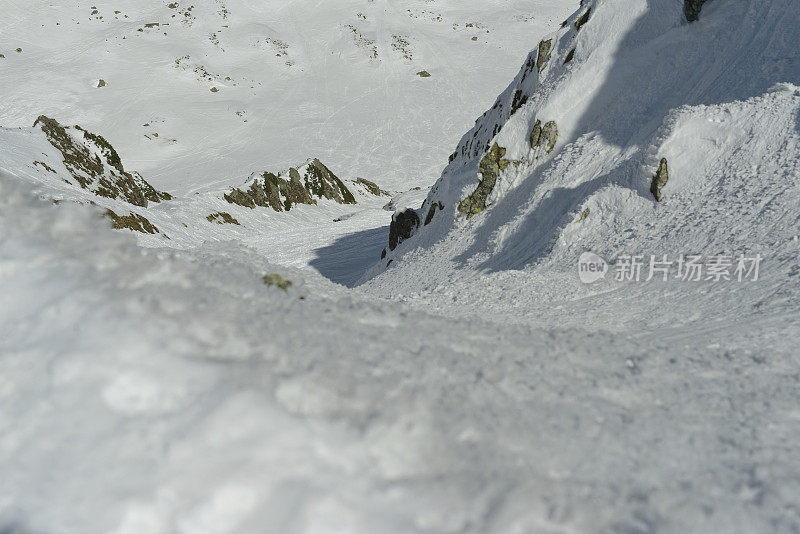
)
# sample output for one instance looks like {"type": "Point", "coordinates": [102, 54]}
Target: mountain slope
{"type": "Point", "coordinates": [198, 95]}
{"type": "Point", "coordinates": [626, 85]}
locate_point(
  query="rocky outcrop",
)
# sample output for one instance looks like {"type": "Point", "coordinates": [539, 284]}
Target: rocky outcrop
{"type": "Point", "coordinates": [322, 183]}
{"type": "Point", "coordinates": [222, 217]}
{"type": "Point", "coordinates": [545, 47]}
{"type": "Point", "coordinates": [492, 164]}
{"type": "Point", "coordinates": [432, 212]}
{"type": "Point", "coordinates": [404, 224]}
{"type": "Point", "coordinates": [305, 185]}
{"type": "Point", "coordinates": [660, 180]}
{"type": "Point", "coordinates": [583, 19]}
{"type": "Point", "coordinates": [276, 280]}
{"type": "Point", "coordinates": [372, 188]}
{"type": "Point", "coordinates": [134, 222]}
{"type": "Point", "coordinates": [544, 136]}
{"type": "Point", "coordinates": [94, 164]}
{"type": "Point", "coordinates": [691, 8]}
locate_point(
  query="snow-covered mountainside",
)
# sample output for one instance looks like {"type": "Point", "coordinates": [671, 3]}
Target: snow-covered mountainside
{"type": "Point", "coordinates": [565, 160]}
{"type": "Point", "coordinates": [588, 324]}
{"type": "Point", "coordinates": [198, 94]}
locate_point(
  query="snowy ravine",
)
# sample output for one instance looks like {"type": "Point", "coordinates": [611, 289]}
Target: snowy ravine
{"type": "Point", "coordinates": [468, 382]}
{"type": "Point", "coordinates": [146, 390]}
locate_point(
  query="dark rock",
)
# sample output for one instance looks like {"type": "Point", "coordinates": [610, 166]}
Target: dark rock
{"type": "Point", "coordinates": [691, 8]}
{"type": "Point", "coordinates": [403, 226]}
{"type": "Point", "coordinates": [432, 212]}
{"type": "Point", "coordinates": [518, 101]}
{"type": "Point", "coordinates": [660, 179]}
{"type": "Point", "coordinates": [424, 74]}
{"type": "Point", "coordinates": [383, 253]}
{"type": "Point", "coordinates": [570, 56]}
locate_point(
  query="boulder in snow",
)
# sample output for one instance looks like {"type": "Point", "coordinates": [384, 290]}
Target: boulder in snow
{"type": "Point", "coordinates": [660, 179]}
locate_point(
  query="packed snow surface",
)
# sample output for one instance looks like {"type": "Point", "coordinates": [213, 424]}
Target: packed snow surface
{"type": "Point", "coordinates": [468, 382]}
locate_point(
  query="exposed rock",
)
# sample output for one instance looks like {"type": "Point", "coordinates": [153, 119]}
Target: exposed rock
{"type": "Point", "coordinates": [583, 19]}
{"type": "Point", "coordinates": [545, 48]}
{"type": "Point", "coordinates": [691, 8]}
{"type": "Point", "coordinates": [660, 180]}
{"type": "Point", "coordinates": [383, 253]}
{"type": "Point", "coordinates": [432, 212]}
{"type": "Point", "coordinates": [276, 280]}
{"type": "Point", "coordinates": [491, 166]}
{"type": "Point", "coordinates": [544, 136]}
{"type": "Point", "coordinates": [312, 180]}
{"type": "Point", "coordinates": [584, 215]}
{"type": "Point", "coordinates": [372, 187]}
{"type": "Point", "coordinates": [322, 183]}
{"type": "Point", "coordinates": [518, 101]}
{"type": "Point", "coordinates": [95, 165]}
{"type": "Point", "coordinates": [237, 196]}
{"type": "Point", "coordinates": [424, 74]}
{"type": "Point", "coordinates": [134, 222]}
{"type": "Point", "coordinates": [101, 83]}
{"type": "Point", "coordinates": [403, 226]}
{"type": "Point", "coordinates": [570, 56]}
{"type": "Point", "coordinates": [294, 192]}
{"type": "Point", "coordinates": [222, 218]}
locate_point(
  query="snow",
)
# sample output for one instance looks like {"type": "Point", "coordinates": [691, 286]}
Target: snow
{"type": "Point", "coordinates": [153, 384]}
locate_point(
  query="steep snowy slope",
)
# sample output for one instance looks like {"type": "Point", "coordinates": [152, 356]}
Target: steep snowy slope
{"type": "Point", "coordinates": [199, 94]}
{"type": "Point", "coordinates": [154, 391]}
{"type": "Point", "coordinates": [579, 135]}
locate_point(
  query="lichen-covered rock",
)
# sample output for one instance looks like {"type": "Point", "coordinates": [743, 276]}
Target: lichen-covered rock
{"type": "Point", "coordinates": [222, 218]}
{"type": "Point", "coordinates": [544, 136]}
{"type": "Point", "coordinates": [304, 185]}
{"type": "Point", "coordinates": [545, 47]}
{"type": "Point", "coordinates": [134, 222]}
{"type": "Point", "coordinates": [691, 8]}
{"type": "Point", "coordinates": [660, 179]}
{"type": "Point", "coordinates": [94, 164]}
{"type": "Point", "coordinates": [276, 280]}
{"type": "Point", "coordinates": [492, 164]}
{"type": "Point", "coordinates": [403, 226]}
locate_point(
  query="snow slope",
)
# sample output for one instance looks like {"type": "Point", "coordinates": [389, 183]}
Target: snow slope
{"type": "Point", "coordinates": [718, 98]}
{"type": "Point", "coordinates": [294, 80]}
{"type": "Point", "coordinates": [160, 391]}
